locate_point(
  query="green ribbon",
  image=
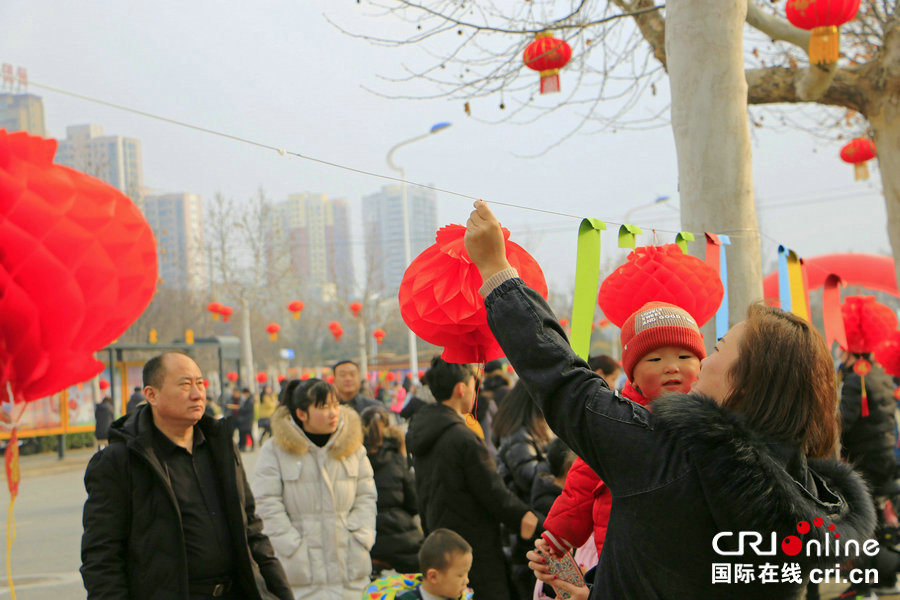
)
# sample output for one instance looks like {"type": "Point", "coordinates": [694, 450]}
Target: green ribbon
{"type": "Point", "coordinates": [626, 235]}
{"type": "Point", "coordinates": [682, 240]}
{"type": "Point", "coordinates": [587, 280]}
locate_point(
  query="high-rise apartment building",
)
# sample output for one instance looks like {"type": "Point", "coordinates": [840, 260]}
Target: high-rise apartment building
{"type": "Point", "coordinates": [112, 158]}
{"type": "Point", "coordinates": [383, 226]}
{"type": "Point", "coordinates": [313, 232]}
{"type": "Point", "coordinates": [22, 112]}
{"type": "Point", "coordinates": [177, 223]}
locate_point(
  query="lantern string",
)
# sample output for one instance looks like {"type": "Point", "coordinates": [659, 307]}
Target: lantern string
{"type": "Point", "coordinates": [283, 152]}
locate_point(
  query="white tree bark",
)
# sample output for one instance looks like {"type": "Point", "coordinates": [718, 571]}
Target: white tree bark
{"type": "Point", "coordinates": [704, 49]}
{"type": "Point", "coordinates": [886, 126]}
{"type": "Point", "coordinates": [248, 371]}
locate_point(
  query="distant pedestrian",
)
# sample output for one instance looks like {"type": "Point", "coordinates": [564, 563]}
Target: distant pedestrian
{"type": "Point", "coordinates": [136, 399]}
{"type": "Point", "coordinates": [244, 420]}
{"type": "Point", "coordinates": [268, 402]}
{"type": "Point", "coordinates": [104, 415]}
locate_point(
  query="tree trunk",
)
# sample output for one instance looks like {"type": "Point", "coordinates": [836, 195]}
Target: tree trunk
{"type": "Point", "coordinates": [248, 372]}
{"type": "Point", "coordinates": [704, 49]}
{"type": "Point", "coordinates": [886, 126]}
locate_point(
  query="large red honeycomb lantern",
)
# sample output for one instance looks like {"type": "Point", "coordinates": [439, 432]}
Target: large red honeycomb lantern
{"type": "Point", "coordinates": [661, 274]}
{"type": "Point", "coordinates": [887, 354]}
{"type": "Point", "coordinates": [439, 297]}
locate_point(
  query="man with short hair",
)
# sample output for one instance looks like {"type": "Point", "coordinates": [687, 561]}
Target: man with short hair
{"type": "Point", "coordinates": [457, 484]}
{"type": "Point", "coordinates": [135, 400]}
{"type": "Point", "coordinates": [347, 382]}
{"type": "Point", "coordinates": [169, 513]}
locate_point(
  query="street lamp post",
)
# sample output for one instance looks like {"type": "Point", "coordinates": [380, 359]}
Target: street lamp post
{"type": "Point", "coordinates": [413, 353]}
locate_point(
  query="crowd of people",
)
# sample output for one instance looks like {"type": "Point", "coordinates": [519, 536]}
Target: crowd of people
{"type": "Point", "coordinates": [550, 481]}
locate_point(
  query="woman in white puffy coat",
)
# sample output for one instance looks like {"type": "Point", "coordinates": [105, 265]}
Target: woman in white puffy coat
{"type": "Point", "coordinates": [315, 492]}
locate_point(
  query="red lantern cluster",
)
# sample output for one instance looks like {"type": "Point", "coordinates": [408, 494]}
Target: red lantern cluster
{"type": "Point", "coordinates": [281, 378]}
{"type": "Point", "coordinates": [547, 55]}
{"type": "Point", "coordinates": [226, 312]}
{"type": "Point", "coordinates": [296, 307]}
{"type": "Point", "coordinates": [867, 323]}
{"type": "Point", "coordinates": [272, 329]}
{"type": "Point", "coordinates": [390, 376]}
{"type": "Point", "coordinates": [858, 152]}
{"type": "Point", "coordinates": [378, 334]}
{"type": "Point", "coordinates": [77, 266]}
{"type": "Point", "coordinates": [336, 330]}
{"type": "Point", "coordinates": [262, 377]}
{"type": "Point", "coordinates": [215, 308]}
{"type": "Point", "coordinates": [355, 308]}
{"type": "Point", "coordinates": [661, 274]}
{"type": "Point", "coordinates": [822, 18]}
{"type": "Point", "coordinates": [231, 376]}
{"type": "Point", "coordinates": [439, 297]}
{"type": "Point", "coordinates": [887, 354]}
{"type": "Point", "coordinates": [104, 385]}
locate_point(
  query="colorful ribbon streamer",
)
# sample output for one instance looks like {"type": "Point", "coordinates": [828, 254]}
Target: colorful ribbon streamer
{"type": "Point", "coordinates": [627, 235]}
{"type": "Point", "coordinates": [682, 240]}
{"type": "Point", "coordinates": [799, 303]}
{"type": "Point", "coordinates": [784, 285]}
{"type": "Point", "coordinates": [831, 312]}
{"type": "Point", "coordinates": [715, 258]}
{"type": "Point", "coordinates": [587, 280]}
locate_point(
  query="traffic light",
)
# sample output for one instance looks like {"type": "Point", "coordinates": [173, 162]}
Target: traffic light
{"type": "Point", "coordinates": [188, 336]}
{"type": "Point", "coordinates": [152, 337]}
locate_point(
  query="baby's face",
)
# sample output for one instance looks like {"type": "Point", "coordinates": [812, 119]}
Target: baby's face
{"type": "Point", "coordinates": [666, 370]}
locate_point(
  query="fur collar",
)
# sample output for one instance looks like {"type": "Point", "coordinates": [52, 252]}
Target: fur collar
{"type": "Point", "coordinates": [770, 485]}
{"type": "Point", "coordinates": [344, 442]}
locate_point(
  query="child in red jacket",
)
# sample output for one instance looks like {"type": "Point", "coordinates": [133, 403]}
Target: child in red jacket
{"type": "Point", "coordinates": [661, 352]}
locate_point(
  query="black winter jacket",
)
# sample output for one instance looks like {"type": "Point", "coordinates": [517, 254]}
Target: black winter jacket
{"type": "Point", "coordinates": [397, 534]}
{"type": "Point", "coordinates": [458, 488]}
{"type": "Point", "coordinates": [680, 476]}
{"type": "Point", "coordinates": [544, 493]}
{"type": "Point", "coordinates": [133, 543]}
{"type": "Point", "coordinates": [868, 442]}
{"type": "Point", "coordinates": [521, 458]}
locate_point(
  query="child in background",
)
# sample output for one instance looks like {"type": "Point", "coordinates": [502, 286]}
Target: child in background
{"type": "Point", "coordinates": [445, 560]}
{"type": "Point", "coordinates": [661, 352]}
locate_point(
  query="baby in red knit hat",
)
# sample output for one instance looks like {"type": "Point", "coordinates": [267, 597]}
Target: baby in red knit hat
{"type": "Point", "coordinates": [661, 352]}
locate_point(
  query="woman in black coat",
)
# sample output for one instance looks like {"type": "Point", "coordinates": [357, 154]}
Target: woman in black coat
{"type": "Point", "coordinates": [749, 451]}
{"type": "Point", "coordinates": [398, 536]}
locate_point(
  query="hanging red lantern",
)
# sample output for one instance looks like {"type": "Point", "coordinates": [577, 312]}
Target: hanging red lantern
{"type": "Point", "coordinates": [867, 323]}
{"type": "Point", "coordinates": [231, 376]}
{"type": "Point", "coordinates": [661, 274]}
{"type": "Point", "coordinates": [336, 330]}
{"type": "Point", "coordinates": [304, 376]}
{"type": "Point", "coordinates": [296, 307]}
{"type": "Point", "coordinates": [262, 377]}
{"type": "Point", "coordinates": [205, 382]}
{"type": "Point", "coordinates": [78, 265]}
{"type": "Point", "coordinates": [215, 308]}
{"type": "Point", "coordinates": [390, 376]}
{"type": "Point", "coordinates": [564, 323]}
{"type": "Point", "coordinates": [272, 329]}
{"type": "Point", "coordinates": [378, 334]}
{"type": "Point", "coordinates": [547, 55]}
{"type": "Point", "coordinates": [858, 152]}
{"type": "Point", "coordinates": [226, 312]}
{"type": "Point", "coordinates": [439, 297]}
{"type": "Point", "coordinates": [421, 373]}
{"type": "Point", "coordinates": [822, 18]}
{"type": "Point", "coordinates": [330, 379]}
{"type": "Point", "coordinates": [281, 378]}
{"type": "Point", "coordinates": [887, 354]}
{"type": "Point", "coordinates": [104, 385]}
{"type": "Point", "coordinates": [355, 307]}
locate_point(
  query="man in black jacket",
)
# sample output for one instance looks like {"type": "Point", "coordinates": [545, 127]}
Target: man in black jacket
{"type": "Point", "coordinates": [169, 513]}
{"type": "Point", "coordinates": [457, 483]}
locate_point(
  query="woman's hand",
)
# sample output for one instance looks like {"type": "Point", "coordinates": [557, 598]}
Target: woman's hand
{"type": "Point", "coordinates": [577, 593]}
{"type": "Point", "coordinates": [537, 562]}
{"type": "Point", "coordinates": [484, 241]}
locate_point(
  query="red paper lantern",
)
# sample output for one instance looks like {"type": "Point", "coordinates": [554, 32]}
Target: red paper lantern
{"type": "Point", "coordinates": [226, 312]}
{"type": "Point", "coordinates": [262, 377]}
{"type": "Point", "coordinates": [378, 334]}
{"type": "Point", "coordinates": [822, 18]}
{"type": "Point", "coordinates": [547, 55]}
{"type": "Point", "coordinates": [439, 297]}
{"type": "Point", "coordinates": [104, 384]}
{"type": "Point", "coordinates": [887, 354]}
{"type": "Point", "coordinates": [215, 308]}
{"type": "Point", "coordinates": [564, 323]}
{"type": "Point", "coordinates": [304, 377]}
{"type": "Point", "coordinates": [77, 266]}
{"type": "Point", "coordinates": [421, 373]}
{"type": "Point", "coordinates": [390, 376]}
{"type": "Point", "coordinates": [336, 330]}
{"type": "Point", "coordinates": [273, 329]}
{"type": "Point", "coordinates": [661, 274]}
{"type": "Point", "coordinates": [355, 307]}
{"type": "Point", "coordinates": [231, 376]}
{"type": "Point", "coordinates": [867, 323]}
{"type": "Point", "coordinates": [281, 378]}
{"type": "Point", "coordinates": [205, 382]}
{"type": "Point", "coordinates": [857, 153]}
{"type": "Point", "coordinates": [296, 307]}
{"type": "Point", "coordinates": [330, 379]}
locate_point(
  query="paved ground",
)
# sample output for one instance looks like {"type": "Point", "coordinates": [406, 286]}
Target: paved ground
{"type": "Point", "coordinates": [46, 554]}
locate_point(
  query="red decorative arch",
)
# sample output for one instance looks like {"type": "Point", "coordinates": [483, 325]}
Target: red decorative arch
{"type": "Point", "coordinates": [871, 271]}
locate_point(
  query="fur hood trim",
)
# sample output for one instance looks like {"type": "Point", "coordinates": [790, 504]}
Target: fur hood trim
{"type": "Point", "coordinates": [343, 442]}
{"type": "Point", "coordinates": [773, 486]}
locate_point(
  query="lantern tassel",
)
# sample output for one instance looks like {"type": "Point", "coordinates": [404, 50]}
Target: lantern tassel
{"type": "Point", "coordinates": [296, 315]}
{"type": "Point", "coordinates": [215, 316]}
{"type": "Point", "coordinates": [861, 171]}
{"type": "Point", "coordinates": [12, 481]}
{"type": "Point", "coordinates": [865, 397]}
{"type": "Point", "coordinates": [824, 45]}
{"type": "Point", "coordinates": [273, 337]}
{"type": "Point", "coordinates": [550, 81]}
